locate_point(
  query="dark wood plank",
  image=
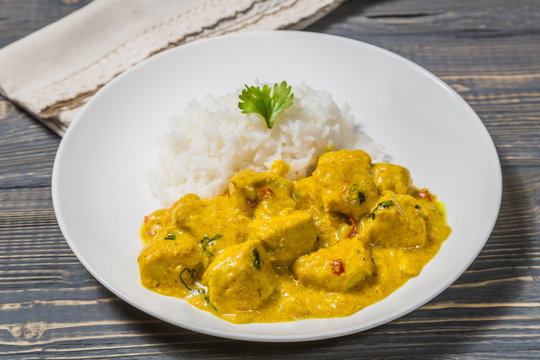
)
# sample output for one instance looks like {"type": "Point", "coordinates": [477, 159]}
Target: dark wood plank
{"type": "Point", "coordinates": [20, 18]}
{"type": "Point", "coordinates": [487, 50]}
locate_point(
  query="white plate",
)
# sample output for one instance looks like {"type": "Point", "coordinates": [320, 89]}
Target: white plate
{"type": "Point", "coordinates": [98, 183]}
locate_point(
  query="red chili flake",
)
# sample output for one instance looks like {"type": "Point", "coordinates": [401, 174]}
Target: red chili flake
{"type": "Point", "coordinates": [337, 266]}
{"type": "Point", "coordinates": [345, 189]}
{"type": "Point", "coordinates": [425, 194]}
{"type": "Point", "coordinates": [345, 181]}
{"type": "Point", "coordinates": [265, 192]}
{"type": "Point", "coordinates": [145, 219]}
{"type": "Point", "coordinates": [251, 204]}
{"type": "Point", "coordinates": [354, 227]}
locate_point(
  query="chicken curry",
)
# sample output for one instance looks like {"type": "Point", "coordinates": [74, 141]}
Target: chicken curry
{"type": "Point", "coordinates": [273, 250]}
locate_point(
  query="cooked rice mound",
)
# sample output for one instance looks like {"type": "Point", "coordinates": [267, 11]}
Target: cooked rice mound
{"type": "Point", "coordinates": [211, 140]}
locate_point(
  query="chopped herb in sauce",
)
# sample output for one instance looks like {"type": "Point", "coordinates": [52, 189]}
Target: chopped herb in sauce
{"type": "Point", "coordinates": [361, 196]}
{"type": "Point", "coordinates": [198, 291]}
{"type": "Point", "coordinates": [170, 237]}
{"type": "Point", "coordinates": [206, 240]}
{"type": "Point", "coordinates": [382, 205]}
{"type": "Point", "coordinates": [257, 261]}
{"type": "Point", "coordinates": [385, 204]}
{"type": "Point", "coordinates": [190, 272]}
{"type": "Point", "coordinates": [207, 300]}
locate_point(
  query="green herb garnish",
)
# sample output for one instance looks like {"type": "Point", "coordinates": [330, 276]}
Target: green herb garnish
{"type": "Point", "coordinates": [170, 237]}
{"type": "Point", "coordinates": [255, 100]}
{"type": "Point", "coordinates": [206, 240]}
{"type": "Point", "coordinates": [207, 300]}
{"type": "Point", "coordinates": [417, 207]}
{"type": "Point", "coordinates": [190, 272]}
{"type": "Point", "coordinates": [382, 205]}
{"type": "Point", "coordinates": [385, 204]}
{"type": "Point", "coordinates": [361, 196]}
{"type": "Point", "coordinates": [257, 261]}
{"type": "Point", "coordinates": [199, 291]}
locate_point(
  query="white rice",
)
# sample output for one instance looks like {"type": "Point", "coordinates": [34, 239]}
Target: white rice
{"type": "Point", "coordinates": [211, 140]}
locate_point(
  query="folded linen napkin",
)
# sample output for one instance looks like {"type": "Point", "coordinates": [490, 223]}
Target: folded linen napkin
{"type": "Point", "coordinates": [52, 72]}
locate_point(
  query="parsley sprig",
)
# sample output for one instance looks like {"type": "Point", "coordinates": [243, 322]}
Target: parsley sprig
{"type": "Point", "coordinates": [255, 100]}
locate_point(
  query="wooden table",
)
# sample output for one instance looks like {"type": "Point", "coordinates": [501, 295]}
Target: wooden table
{"type": "Point", "coordinates": [488, 51]}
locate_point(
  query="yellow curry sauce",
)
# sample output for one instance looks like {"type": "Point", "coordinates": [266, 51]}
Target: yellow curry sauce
{"type": "Point", "coordinates": [274, 250]}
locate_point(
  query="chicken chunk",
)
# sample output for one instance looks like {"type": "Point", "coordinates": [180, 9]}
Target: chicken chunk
{"type": "Point", "coordinates": [240, 278]}
{"type": "Point", "coordinates": [215, 225]}
{"type": "Point", "coordinates": [267, 192]}
{"type": "Point", "coordinates": [392, 177]}
{"type": "Point", "coordinates": [154, 225]}
{"type": "Point", "coordinates": [287, 236]}
{"type": "Point", "coordinates": [187, 211]}
{"type": "Point", "coordinates": [397, 221]}
{"type": "Point", "coordinates": [337, 268]}
{"type": "Point", "coordinates": [161, 261]}
{"type": "Point", "coordinates": [346, 183]}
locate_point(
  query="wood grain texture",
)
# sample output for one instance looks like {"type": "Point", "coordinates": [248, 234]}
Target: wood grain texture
{"type": "Point", "coordinates": [488, 51]}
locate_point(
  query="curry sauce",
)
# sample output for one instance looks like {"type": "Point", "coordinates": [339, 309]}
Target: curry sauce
{"type": "Point", "coordinates": [273, 250]}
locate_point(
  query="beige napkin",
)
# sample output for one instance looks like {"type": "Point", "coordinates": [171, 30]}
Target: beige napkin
{"type": "Point", "coordinates": [53, 72]}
